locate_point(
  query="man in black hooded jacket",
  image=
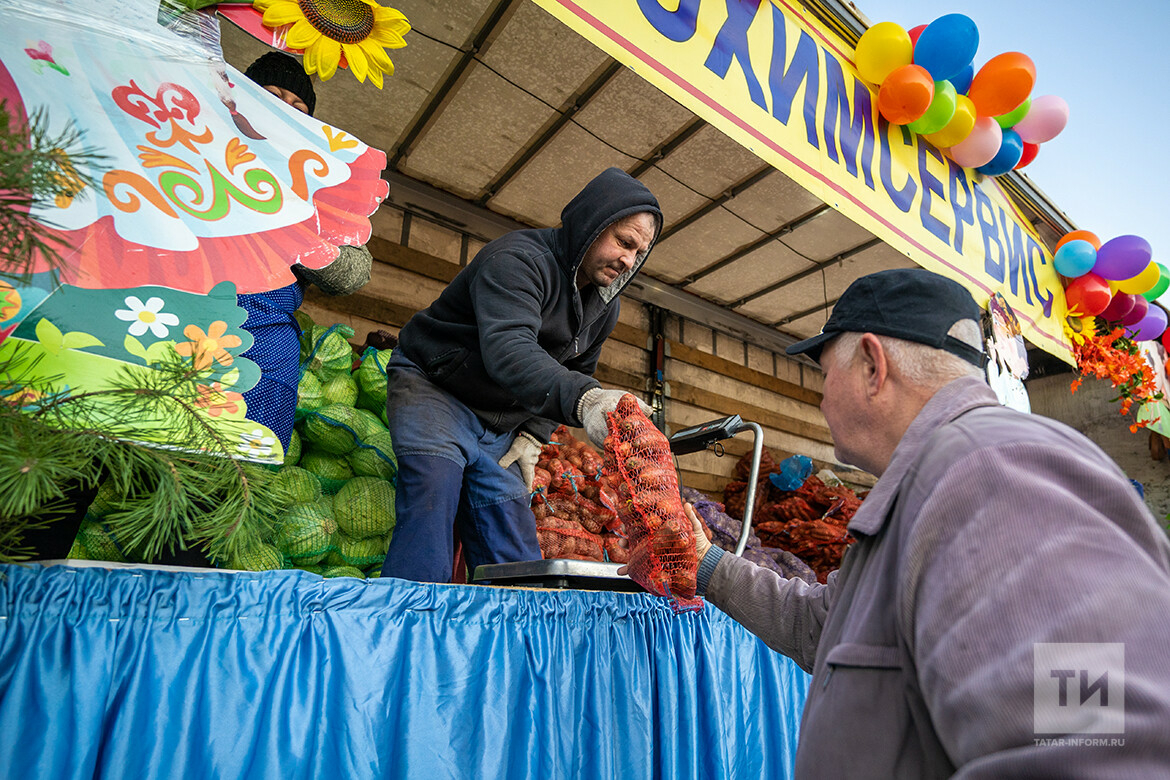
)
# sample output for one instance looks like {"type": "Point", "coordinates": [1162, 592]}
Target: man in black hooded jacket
{"type": "Point", "coordinates": [483, 376]}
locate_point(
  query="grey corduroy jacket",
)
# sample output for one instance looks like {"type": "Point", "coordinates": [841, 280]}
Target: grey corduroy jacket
{"type": "Point", "coordinates": [990, 531]}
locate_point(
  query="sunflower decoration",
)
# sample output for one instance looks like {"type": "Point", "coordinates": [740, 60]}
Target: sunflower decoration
{"type": "Point", "coordinates": [1079, 327]}
{"type": "Point", "coordinates": [353, 33]}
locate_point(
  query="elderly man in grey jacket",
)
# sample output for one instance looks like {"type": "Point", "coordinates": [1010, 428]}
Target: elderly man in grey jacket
{"type": "Point", "coordinates": [1005, 611]}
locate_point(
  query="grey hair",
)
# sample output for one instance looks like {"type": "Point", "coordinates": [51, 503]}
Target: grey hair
{"type": "Point", "coordinates": [919, 364]}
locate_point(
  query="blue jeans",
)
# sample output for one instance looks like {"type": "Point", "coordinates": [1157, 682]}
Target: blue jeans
{"type": "Point", "coordinates": [449, 478]}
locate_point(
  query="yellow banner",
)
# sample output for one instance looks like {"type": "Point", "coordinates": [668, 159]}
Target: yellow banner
{"type": "Point", "coordinates": [783, 85]}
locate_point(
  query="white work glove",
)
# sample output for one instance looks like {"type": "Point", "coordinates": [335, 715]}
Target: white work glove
{"type": "Point", "coordinates": [525, 450]}
{"type": "Point", "coordinates": [593, 407]}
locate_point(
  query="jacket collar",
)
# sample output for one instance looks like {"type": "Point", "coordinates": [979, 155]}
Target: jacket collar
{"type": "Point", "coordinates": [953, 400]}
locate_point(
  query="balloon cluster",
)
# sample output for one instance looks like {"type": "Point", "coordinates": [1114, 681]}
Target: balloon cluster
{"type": "Point", "coordinates": [1116, 281]}
{"type": "Point", "coordinates": [926, 80]}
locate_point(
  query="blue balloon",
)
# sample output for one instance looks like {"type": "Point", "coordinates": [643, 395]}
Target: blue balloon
{"type": "Point", "coordinates": [1011, 149]}
{"type": "Point", "coordinates": [962, 82]}
{"type": "Point", "coordinates": [1076, 258]}
{"type": "Point", "coordinates": [947, 45]}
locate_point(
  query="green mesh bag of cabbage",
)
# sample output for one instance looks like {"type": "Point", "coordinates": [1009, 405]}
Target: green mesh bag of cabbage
{"type": "Point", "coordinates": [309, 395]}
{"type": "Point", "coordinates": [364, 507]}
{"type": "Point", "coordinates": [371, 380]}
{"type": "Point", "coordinates": [304, 534]}
{"type": "Point", "coordinates": [334, 428]}
{"type": "Point", "coordinates": [341, 389]}
{"type": "Point", "coordinates": [325, 351]}
{"type": "Point", "coordinates": [297, 485]}
{"type": "Point", "coordinates": [258, 557]}
{"type": "Point", "coordinates": [344, 570]}
{"type": "Point", "coordinates": [292, 453]}
{"type": "Point", "coordinates": [94, 543]}
{"type": "Point", "coordinates": [332, 471]}
{"type": "Point", "coordinates": [365, 553]}
{"type": "Point", "coordinates": [374, 457]}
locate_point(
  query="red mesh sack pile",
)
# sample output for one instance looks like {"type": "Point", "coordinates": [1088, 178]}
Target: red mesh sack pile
{"type": "Point", "coordinates": [661, 540]}
{"type": "Point", "coordinates": [810, 522]}
{"type": "Point", "coordinates": [575, 511]}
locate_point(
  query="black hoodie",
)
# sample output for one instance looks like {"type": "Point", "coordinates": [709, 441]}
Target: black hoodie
{"type": "Point", "coordinates": [511, 336]}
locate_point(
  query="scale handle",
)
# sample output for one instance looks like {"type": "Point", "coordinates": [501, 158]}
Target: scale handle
{"type": "Point", "coordinates": [749, 506]}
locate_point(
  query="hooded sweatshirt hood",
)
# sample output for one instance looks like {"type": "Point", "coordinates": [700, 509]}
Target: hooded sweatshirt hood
{"type": "Point", "coordinates": [611, 196]}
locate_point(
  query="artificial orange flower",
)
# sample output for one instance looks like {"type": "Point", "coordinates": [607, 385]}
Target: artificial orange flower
{"type": "Point", "coordinates": [1111, 355]}
{"type": "Point", "coordinates": [212, 345]}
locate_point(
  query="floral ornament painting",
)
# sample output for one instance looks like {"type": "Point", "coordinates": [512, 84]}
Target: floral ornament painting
{"type": "Point", "coordinates": [207, 178]}
{"type": "Point", "coordinates": [210, 186]}
{"type": "Point", "coordinates": [83, 340]}
{"type": "Point", "coordinates": [330, 33]}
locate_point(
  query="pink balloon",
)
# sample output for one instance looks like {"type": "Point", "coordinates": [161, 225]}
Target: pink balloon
{"type": "Point", "coordinates": [1044, 120]}
{"type": "Point", "coordinates": [980, 146]}
{"type": "Point", "coordinates": [1138, 313]}
{"type": "Point", "coordinates": [1151, 326]}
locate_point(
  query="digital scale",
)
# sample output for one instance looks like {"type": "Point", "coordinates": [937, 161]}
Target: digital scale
{"type": "Point", "coordinates": [595, 575]}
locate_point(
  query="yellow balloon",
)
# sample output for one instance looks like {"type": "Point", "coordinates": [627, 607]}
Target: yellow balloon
{"type": "Point", "coordinates": [960, 126]}
{"type": "Point", "coordinates": [1145, 280]}
{"type": "Point", "coordinates": [883, 48]}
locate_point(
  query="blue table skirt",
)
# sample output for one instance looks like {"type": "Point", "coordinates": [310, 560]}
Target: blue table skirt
{"type": "Point", "coordinates": [140, 673]}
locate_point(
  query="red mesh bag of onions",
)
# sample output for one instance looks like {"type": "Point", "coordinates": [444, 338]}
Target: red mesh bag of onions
{"type": "Point", "coordinates": [639, 466]}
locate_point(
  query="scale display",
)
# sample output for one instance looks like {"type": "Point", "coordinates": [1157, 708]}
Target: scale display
{"type": "Point", "coordinates": [700, 437]}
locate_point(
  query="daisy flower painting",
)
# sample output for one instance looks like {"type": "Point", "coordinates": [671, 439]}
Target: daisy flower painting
{"type": "Point", "coordinates": [147, 316]}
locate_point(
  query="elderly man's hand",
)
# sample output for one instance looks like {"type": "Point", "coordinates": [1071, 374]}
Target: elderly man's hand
{"type": "Point", "coordinates": [702, 545]}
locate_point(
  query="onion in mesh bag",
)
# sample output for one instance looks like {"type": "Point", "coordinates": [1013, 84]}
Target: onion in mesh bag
{"type": "Point", "coordinates": [662, 546]}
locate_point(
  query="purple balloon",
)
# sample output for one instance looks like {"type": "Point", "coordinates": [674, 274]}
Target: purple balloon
{"type": "Point", "coordinates": [1121, 305]}
{"type": "Point", "coordinates": [1138, 313]}
{"type": "Point", "coordinates": [1151, 326]}
{"type": "Point", "coordinates": [1122, 258]}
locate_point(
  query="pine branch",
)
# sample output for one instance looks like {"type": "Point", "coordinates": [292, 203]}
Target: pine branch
{"type": "Point", "coordinates": [38, 166]}
{"type": "Point", "coordinates": [167, 498]}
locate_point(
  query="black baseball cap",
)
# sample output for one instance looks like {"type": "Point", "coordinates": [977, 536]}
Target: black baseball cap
{"type": "Point", "coordinates": [906, 303]}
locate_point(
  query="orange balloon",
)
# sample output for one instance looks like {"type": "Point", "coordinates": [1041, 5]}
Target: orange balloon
{"type": "Point", "coordinates": [1079, 235]}
{"type": "Point", "coordinates": [1002, 84]}
{"type": "Point", "coordinates": [905, 94]}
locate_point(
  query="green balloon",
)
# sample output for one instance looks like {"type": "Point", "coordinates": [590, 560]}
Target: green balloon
{"type": "Point", "coordinates": [941, 109]}
{"type": "Point", "coordinates": [1162, 285]}
{"type": "Point", "coordinates": [1011, 118]}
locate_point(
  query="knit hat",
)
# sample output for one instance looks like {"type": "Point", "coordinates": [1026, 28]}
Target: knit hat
{"type": "Point", "coordinates": [277, 69]}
